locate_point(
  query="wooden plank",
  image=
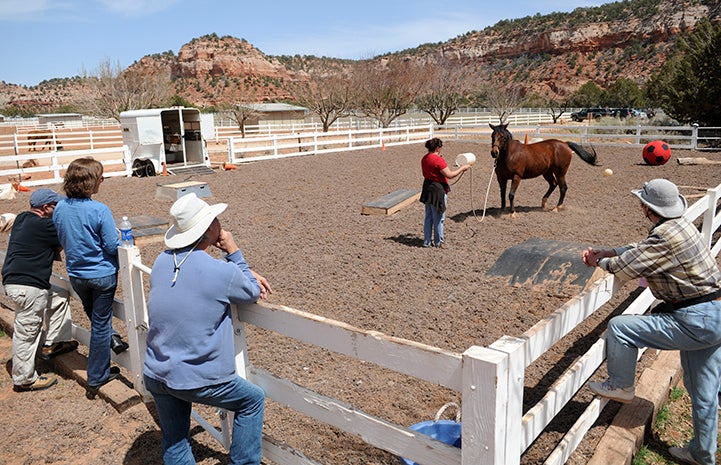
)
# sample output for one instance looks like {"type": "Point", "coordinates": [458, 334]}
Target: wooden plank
{"type": "Point", "coordinates": [391, 203]}
{"type": "Point", "coordinates": [697, 161]}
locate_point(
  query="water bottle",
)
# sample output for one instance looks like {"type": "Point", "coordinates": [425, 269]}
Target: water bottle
{"type": "Point", "coordinates": [126, 233]}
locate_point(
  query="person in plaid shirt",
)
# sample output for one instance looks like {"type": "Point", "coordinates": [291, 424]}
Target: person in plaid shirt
{"type": "Point", "coordinates": [680, 271]}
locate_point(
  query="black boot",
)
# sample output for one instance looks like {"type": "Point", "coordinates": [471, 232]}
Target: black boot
{"type": "Point", "coordinates": [117, 344]}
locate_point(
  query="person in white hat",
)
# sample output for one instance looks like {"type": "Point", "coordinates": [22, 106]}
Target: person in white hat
{"type": "Point", "coordinates": [681, 271]}
{"type": "Point", "coordinates": [190, 355]}
{"type": "Point", "coordinates": [26, 271]}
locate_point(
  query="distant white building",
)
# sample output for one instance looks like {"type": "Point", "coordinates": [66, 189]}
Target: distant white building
{"type": "Point", "coordinates": [67, 120]}
{"type": "Point", "coordinates": [275, 113]}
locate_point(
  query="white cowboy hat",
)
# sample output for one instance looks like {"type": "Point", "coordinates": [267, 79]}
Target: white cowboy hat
{"type": "Point", "coordinates": [661, 196]}
{"type": "Point", "coordinates": [191, 218]}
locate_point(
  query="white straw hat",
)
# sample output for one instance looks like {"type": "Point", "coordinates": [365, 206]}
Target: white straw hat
{"type": "Point", "coordinates": [191, 218]}
{"type": "Point", "coordinates": [661, 196]}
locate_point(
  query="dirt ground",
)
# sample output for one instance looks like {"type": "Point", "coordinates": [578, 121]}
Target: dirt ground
{"type": "Point", "coordinates": [298, 223]}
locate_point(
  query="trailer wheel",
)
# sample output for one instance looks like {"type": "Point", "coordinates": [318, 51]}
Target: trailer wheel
{"type": "Point", "coordinates": [138, 168]}
{"type": "Point", "coordinates": [143, 168]}
{"type": "Point", "coordinates": [149, 168]}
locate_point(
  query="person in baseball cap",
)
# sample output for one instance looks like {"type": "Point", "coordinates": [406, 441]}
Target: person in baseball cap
{"type": "Point", "coordinates": [680, 270]}
{"type": "Point", "coordinates": [42, 197]}
{"type": "Point", "coordinates": [32, 247]}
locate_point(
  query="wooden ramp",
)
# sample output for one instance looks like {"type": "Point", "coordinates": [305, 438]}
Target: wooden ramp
{"type": "Point", "coordinates": [391, 203]}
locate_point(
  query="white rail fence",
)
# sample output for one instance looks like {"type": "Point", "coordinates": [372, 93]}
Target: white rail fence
{"type": "Point", "coordinates": [49, 167]}
{"type": "Point", "coordinates": [19, 158]}
{"type": "Point", "coordinates": [245, 149]}
{"type": "Point", "coordinates": [495, 429]}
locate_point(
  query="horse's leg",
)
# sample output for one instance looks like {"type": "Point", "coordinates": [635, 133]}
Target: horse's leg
{"type": "Point", "coordinates": [551, 187]}
{"type": "Point", "coordinates": [562, 187]}
{"type": "Point", "coordinates": [502, 184]}
{"type": "Point", "coordinates": [512, 195]}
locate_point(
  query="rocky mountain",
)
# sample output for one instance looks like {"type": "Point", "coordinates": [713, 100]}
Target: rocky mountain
{"type": "Point", "coordinates": [550, 55]}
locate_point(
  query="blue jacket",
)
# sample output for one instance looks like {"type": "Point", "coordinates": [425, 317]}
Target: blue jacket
{"type": "Point", "coordinates": [190, 340]}
{"type": "Point", "coordinates": [87, 232]}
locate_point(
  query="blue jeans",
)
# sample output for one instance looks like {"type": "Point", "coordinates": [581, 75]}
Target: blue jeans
{"type": "Point", "coordinates": [239, 395]}
{"type": "Point", "coordinates": [696, 332]}
{"type": "Point", "coordinates": [97, 295]}
{"type": "Point", "coordinates": [433, 224]}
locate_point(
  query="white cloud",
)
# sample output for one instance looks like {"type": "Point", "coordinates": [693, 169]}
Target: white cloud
{"type": "Point", "coordinates": [17, 10]}
{"type": "Point", "coordinates": [136, 7]}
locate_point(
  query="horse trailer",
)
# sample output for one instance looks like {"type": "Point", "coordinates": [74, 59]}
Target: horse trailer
{"type": "Point", "coordinates": [176, 137]}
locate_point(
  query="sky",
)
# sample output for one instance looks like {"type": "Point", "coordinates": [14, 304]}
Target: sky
{"type": "Point", "coordinates": [46, 39]}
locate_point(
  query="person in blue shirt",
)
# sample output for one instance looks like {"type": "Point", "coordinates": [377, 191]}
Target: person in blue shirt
{"type": "Point", "coordinates": [190, 355]}
{"type": "Point", "coordinates": [87, 233]}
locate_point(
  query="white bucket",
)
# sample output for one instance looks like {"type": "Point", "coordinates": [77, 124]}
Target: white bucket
{"type": "Point", "coordinates": [465, 159]}
{"type": "Point", "coordinates": [6, 221]}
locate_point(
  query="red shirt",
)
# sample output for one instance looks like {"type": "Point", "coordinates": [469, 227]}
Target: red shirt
{"type": "Point", "coordinates": [432, 165]}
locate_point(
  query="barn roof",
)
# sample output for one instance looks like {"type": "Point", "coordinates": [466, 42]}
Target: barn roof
{"type": "Point", "coordinates": [273, 107]}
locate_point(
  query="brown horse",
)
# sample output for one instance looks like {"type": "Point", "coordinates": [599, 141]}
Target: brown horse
{"type": "Point", "coordinates": [516, 160]}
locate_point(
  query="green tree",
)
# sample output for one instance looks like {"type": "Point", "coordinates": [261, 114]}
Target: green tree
{"type": "Point", "coordinates": [625, 93]}
{"type": "Point", "coordinates": [588, 95]}
{"type": "Point", "coordinates": [688, 86]}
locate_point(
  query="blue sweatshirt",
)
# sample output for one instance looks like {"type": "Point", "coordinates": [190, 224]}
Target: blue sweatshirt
{"type": "Point", "coordinates": [190, 340]}
{"type": "Point", "coordinates": [87, 232]}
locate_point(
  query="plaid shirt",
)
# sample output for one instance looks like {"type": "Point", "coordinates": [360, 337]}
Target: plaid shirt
{"type": "Point", "coordinates": [674, 259]}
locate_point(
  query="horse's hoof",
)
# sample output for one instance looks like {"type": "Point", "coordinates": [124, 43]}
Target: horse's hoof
{"type": "Point", "coordinates": [513, 215]}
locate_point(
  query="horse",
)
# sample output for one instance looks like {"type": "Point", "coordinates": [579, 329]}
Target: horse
{"type": "Point", "coordinates": [516, 160]}
{"type": "Point", "coordinates": [44, 137]}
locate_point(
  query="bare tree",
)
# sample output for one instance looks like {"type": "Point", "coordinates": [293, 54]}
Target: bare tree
{"type": "Point", "coordinates": [238, 102]}
{"type": "Point", "coordinates": [386, 91]}
{"type": "Point", "coordinates": [328, 94]}
{"type": "Point", "coordinates": [113, 89]}
{"type": "Point", "coordinates": [443, 91]}
{"type": "Point", "coordinates": [503, 101]}
{"type": "Point", "coordinates": [556, 108]}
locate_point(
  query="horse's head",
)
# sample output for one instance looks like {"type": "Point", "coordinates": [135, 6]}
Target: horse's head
{"type": "Point", "coordinates": [499, 139]}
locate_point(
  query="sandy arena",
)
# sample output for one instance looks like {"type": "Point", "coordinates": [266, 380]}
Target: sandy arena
{"type": "Point", "coordinates": [298, 223]}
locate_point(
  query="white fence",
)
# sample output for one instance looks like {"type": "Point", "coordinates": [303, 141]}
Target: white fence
{"type": "Point", "coordinates": [49, 167]}
{"type": "Point", "coordinates": [490, 379]}
{"type": "Point", "coordinates": [244, 149]}
{"type": "Point", "coordinates": [16, 153]}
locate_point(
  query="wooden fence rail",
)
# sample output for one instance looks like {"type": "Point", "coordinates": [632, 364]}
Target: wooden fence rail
{"type": "Point", "coordinates": [490, 379]}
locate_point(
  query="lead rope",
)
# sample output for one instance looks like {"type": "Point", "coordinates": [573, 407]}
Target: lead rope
{"type": "Point", "coordinates": [488, 189]}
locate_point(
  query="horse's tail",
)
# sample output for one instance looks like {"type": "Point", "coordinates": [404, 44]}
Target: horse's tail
{"type": "Point", "coordinates": [588, 157]}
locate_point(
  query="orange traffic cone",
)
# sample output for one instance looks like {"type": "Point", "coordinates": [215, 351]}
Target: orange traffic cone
{"type": "Point", "coordinates": [20, 188]}
{"type": "Point", "coordinates": [165, 170]}
{"type": "Point", "coordinates": [526, 141]}
{"type": "Point", "coordinates": [383, 145]}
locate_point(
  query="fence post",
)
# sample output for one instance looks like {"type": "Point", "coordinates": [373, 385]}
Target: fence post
{"type": "Point", "coordinates": [483, 405]}
{"type": "Point", "coordinates": [707, 228]}
{"type": "Point", "coordinates": [514, 347]}
{"type": "Point", "coordinates": [131, 281]}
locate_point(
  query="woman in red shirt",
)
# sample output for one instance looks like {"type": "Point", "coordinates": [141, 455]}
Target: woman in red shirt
{"type": "Point", "coordinates": [436, 174]}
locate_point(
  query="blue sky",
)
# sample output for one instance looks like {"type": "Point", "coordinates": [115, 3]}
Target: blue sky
{"type": "Point", "coordinates": [45, 39]}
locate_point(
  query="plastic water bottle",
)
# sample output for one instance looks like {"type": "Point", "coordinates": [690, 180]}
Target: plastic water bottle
{"type": "Point", "coordinates": [126, 233]}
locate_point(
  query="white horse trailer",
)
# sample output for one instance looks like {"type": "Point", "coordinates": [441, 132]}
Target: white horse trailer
{"type": "Point", "coordinates": [175, 136]}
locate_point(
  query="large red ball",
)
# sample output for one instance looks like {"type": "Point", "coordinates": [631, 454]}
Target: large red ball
{"type": "Point", "coordinates": [656, 153]}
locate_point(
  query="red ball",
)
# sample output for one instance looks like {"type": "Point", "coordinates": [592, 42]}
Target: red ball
{"type": "Point", "coordinates": [656, 153]}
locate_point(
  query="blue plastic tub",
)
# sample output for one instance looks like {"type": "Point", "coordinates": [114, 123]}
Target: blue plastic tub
{"type": "Point", "coordinates": [447, 431]}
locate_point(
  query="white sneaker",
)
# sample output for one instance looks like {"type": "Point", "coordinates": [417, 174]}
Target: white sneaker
{"type": "Point", "coordinates": [608, 390]}
{"type": "Point", "coordinates": [682, 454]}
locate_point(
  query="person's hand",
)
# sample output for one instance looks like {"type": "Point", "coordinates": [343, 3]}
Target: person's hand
{"type": "Point", "coordinates": [589, 257]}
{"type": "Point", "coordinates": [226, 243]}
{"type": "Point", "coordinates": [265, 288]}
